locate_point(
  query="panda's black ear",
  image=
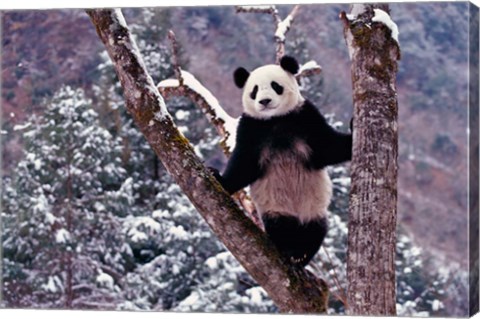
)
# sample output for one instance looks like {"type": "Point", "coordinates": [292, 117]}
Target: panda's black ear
{"type": "Point", "coordinates": [240, 77]}
{"type": "Point", "coordinates": [289, 64]}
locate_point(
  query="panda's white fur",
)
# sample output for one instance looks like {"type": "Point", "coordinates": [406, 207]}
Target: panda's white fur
{"type": "Point", "coordinates": [263, 76]}
{"type": "Point", "coordinates": [288, 188]}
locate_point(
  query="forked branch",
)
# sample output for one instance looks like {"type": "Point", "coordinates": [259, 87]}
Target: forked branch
{"type": "Point", "coordinates": [282, 26]}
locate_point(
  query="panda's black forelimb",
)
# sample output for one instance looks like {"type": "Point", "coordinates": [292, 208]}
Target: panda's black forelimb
{"type": "Point", "coordinates": [243, 167]}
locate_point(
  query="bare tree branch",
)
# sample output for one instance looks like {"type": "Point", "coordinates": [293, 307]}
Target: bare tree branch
{"type": "Point", "coordinates": [373, 49]}
{"type": "Point", "coordinates": [176, 63]}
{"type": "Point", "coordinates": [308, 69]}
{"type": "Point", "coordinates": [282, 26]}
{"type": "Point", "coordinates": [280, 34]}
{"type": "Point", "coordinates": [293, 289]}
{"type": "Point", "coordinates": [259, 9]}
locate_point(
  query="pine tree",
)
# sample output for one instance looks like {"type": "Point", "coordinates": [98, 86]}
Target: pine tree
{"type": "Point", "coordinates": [62, 241]}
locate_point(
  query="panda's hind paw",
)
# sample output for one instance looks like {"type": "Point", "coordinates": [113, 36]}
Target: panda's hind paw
{"type": "Point", "coordinates": [298, 261]}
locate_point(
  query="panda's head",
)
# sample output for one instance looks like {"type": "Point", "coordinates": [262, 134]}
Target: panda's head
{"type": "Point", "coordinates": [270, 90]}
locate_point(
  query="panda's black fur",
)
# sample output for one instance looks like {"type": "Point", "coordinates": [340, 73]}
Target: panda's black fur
{"type": "Point", "coordinates": [279, 157]}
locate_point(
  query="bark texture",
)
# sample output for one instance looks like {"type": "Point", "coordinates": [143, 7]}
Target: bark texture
{"type": "Point", "coordinates": [292, 289]}
{"type": "Point", "coordinates": [373, 195]}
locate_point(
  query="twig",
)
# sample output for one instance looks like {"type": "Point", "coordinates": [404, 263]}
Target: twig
{"type": "Point", "coordinates": [342, 295]}
{"type": "Point", "coordinates": [336, 295]}
{"type": "Point", "coordinates": [281, 26]}
{"type": "Point", "coordinates": [282, 29]}
{"type": "Point", "coordinates": [176, 64]}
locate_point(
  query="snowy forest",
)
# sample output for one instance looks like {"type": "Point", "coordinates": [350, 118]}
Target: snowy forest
{"type": "Point", "coordinates": [92, 220]}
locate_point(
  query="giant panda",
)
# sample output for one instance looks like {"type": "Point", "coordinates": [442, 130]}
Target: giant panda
{"type": "Point", "coordinates": [283, 145]}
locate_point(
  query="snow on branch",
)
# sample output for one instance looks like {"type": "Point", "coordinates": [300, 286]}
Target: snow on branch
{"type": "Point", "coordinates": [308, 69]}
{"type": "Point", "coordinates": [383, 17]}
{"type": "Point", "coordinates": [284, 26]}
{"type": "Point", "coordinates": [224, 123]}
{"type": "Point", "coordinates": [366, 16]}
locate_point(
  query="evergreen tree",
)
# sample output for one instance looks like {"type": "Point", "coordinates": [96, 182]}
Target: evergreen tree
{"type": "Point", "coordinates": [62, 211]}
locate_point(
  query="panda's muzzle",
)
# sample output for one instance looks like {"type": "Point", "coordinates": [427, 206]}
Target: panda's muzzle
{"type": "Point", "coordinates": [265, 102]}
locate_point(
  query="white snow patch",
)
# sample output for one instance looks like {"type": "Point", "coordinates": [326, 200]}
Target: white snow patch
{"type": "Point", "coordinates": [343, 181]}
{"type": "Point", "coordinates": [212, 263]}
{"type": "Point", "coordinates": [190, 300]}
{"type": "Point", "coordinates": [175, 270]}
{"type": "Point", "coordinates": [182, 115]}
{"type": "Point", "coordinates": [351, 17]}
{"type": "Point", "coordinates": [160, 214]}
{"type": "Point", "coordinates": [50, 218]}
{"type": "Point", "coordinates": [54, 285]}
{"type": "Point", "coordinates": [19, 127]}
{"type": "Point", "coordinates": [383, 17]}
{"type": "Point", "coordinates": [105, 280]}
{"type": "Point", "coordinates": [178, 231]}
{"type": "Point", "coordinates": [62, 236]}
{"type": "Point", "coordinates": [37, 164]}
{"type": "Point", "coordinates": [137, 236]}
{"type": "Point", "coordinates": [437, 305]}
{"type": "Point", "coordinates": [283, 27]}
{"type": "Point", "coordinates": [41, 204]}
{"type": "Point", "coordinates": [120, 18]}
{"type": "Point", "coordinates": [310, 65]}
{"type": "Point", "coordinates": [99, 207]}
{"type": "Point", "coordinates": [158, 115]}
{"type": "Point", "coordinates": [255, 294]}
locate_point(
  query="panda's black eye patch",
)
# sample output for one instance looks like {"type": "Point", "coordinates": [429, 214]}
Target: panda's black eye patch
{"type": "Point", "coordinates": [277, 88]}
{"type": "Point", "coordinates": [253, 95]}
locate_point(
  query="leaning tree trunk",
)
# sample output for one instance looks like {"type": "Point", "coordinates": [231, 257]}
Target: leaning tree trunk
{"type": "Point", "coordinates": [292, 289]}
{"type": "Point", "coordinates": [374, 51]}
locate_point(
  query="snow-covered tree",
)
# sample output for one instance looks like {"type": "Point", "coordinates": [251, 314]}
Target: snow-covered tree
{"type": "Point", "coordinates": [62, 240]}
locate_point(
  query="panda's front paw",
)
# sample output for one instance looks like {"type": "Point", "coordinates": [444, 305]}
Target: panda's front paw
{"type": "Point", "coordinates": [351, 125]}
{"type": "Point", "coordinates": [215, 173]}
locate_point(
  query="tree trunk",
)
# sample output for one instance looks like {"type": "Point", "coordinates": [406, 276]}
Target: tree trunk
{"type": "Point", "coordinates": [292, 289]}
{"type": "Point", "coordinates": [373, 196]}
